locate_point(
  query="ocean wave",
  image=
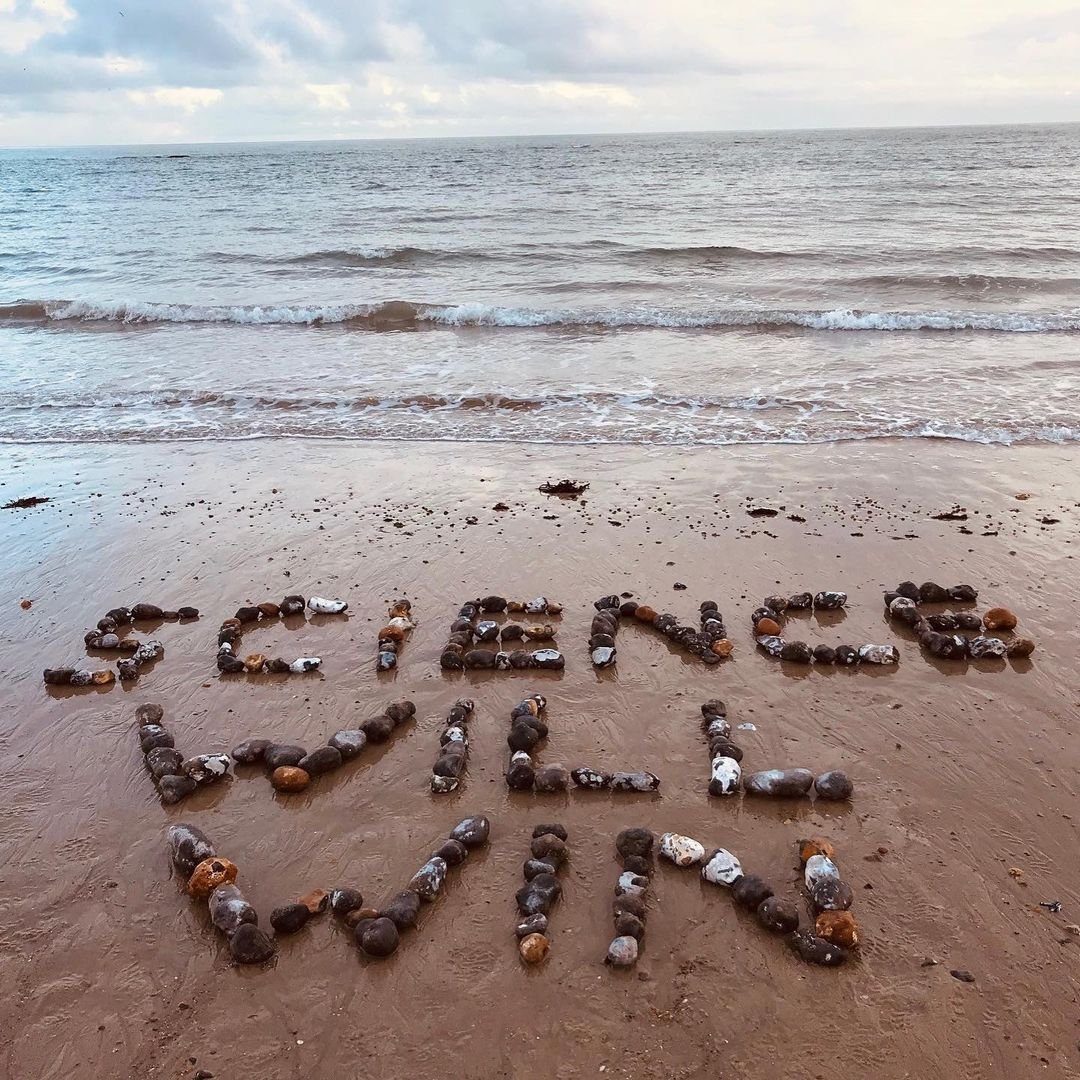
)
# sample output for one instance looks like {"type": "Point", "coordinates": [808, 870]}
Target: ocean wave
{"type": "Point", "coordinates": [403, 315]}
{"type": "Point", "coordinates": [359, 257]}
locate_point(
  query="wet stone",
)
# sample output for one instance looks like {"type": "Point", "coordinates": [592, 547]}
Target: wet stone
{"type": "Point", "coordinates": [932, 593]}
{"type": "Point", "coordinates": [824, 654]}
{"type": "Point", "coordinates": [427, 881]}
{"type": "Point", "coordinates": [534, 948]}
{"type": "Point", "coordinates": [348, 743]}
{"type": "Point", "coordinates": [344, 900]}
{"type": "Point", "coordinates": [987, 648]}
{"type": "Point", "coordinates": [535, 867]}
{"type": "Point", "coordinates": [319, 761]}
{"type": "Point", "coordinates": [289, 918]}
{"type": "Point", "coordinates": [780, 916]}
{"type": "Point", "coordinates": [634, 781]}
{"type": "Point", "coordinates": [772, 644]}
{"type": "Point", "coordinates": [801, 601]}
{"type": "Point", "coordinates": [1020, 647]}
{"type": "Point", "coordinates": [834, 785]}
{"type": "Point", "coordinates": [403, 910]}
{"type": "Point", "coordinates": [378, 729]}
{"type": "Point", "coordinates": [555, 830]}
{"type": "Point", "coordinates": [635, 842]}
{"type": "Point", "coordinates": [250, 945]}
{"type": "Point", "coordinates": [819, 868]}
{"type": "Point", "coordinates": [721, 868]}
{"type": "Point", "coordinates": [278, 754]}
{"type": "Point", "coordinates": [538, 896]}
{"type": "Point", "coordinates": [289, 779]}
{"type": "Point", "coordinates": [638, 865]}
{"type": "Point", "coordinates": [149, 714]}
{"type": "Point", "coordinates": [590, 778]}
{"type": "Point", "coordinates": [552, 778]}
{"type": "Point", "coordinates": [164, 761]}
{"type": "Point", "coordinates": [520, 776]}
{"type": "Point", "coordinates": [251, 750]}
{"type": "Point", "coordinates": [627, 925]}
{"type": "Point", "coordinates": [796, 652]}
{"type": "Point", "coordinates": [622, 952]}
{"type": "Point", "coordinates": [847, 655]}
{"type": "Point", "coordinates": [533, 924]}
{"type": "Point", "coordinates": [188, 846]}
{"type": "Point", "coordinates": [831, 894]}
{"type": "Point", "coordinates": [174, 788]}
{"type": "Point", "coordinates": [207, 768]}
{"type": "Point", "coordinates": [229, 910]}
{"type": "Point", "coordinates": [815, 950]}
{"type": "Point", "coordinates": [681, 850]}
{"type": "Point", "coordinates": [378, 937]}
{"type": "Point", "coordinates": [472, 832]}
{"type": "Point", "coordinates": [549, 848]}
{"type": "Point", "coordinates": [750, 892]}
{"type": "Point", "coordinates": [838, 928]}
{"type": "Point", "coordinates": [879, 654]}
{"type": "Point", "coordinates": [152, 736]}
{"type": "Point", "coordinates": [779, 783]}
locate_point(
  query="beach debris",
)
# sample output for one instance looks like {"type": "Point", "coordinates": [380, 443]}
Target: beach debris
{"type": "Point", "coordinates": [33, 500]}
{"type": "Point", "coordinates": [962, 975]}
{"type": "Point", "coordinates": [1053, 906]}
{"type": "Point", "coordinates": [564, 487]}
{"type": "Point", "coordinates": [453, 748]}
{"type": "Point", "coordinates": [635, 848]}
{"type": "Point", "coordinates": [541, 890]}
{"type": "Point", "coordinates": [762, 512]}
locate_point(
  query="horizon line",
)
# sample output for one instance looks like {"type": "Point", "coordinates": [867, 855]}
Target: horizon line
{"type": "Point", "coordinates": [275, 140]}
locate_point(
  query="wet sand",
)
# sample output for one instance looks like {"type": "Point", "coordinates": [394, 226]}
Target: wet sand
{"type": "Point", "coordinates": [963, 771]}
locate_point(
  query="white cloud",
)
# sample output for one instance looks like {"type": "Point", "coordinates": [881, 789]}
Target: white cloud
{"type": "Point", "coordinates": [334, 96]}
{"type": "Point", "coordinates": [188, 98]}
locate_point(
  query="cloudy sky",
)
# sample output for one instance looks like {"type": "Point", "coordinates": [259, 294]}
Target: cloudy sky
{"type": "Point", "coordinates": [120, 71]}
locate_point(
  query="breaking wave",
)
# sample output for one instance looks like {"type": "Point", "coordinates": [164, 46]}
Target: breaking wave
{"type": "Point", "coordinates": [403, 315]}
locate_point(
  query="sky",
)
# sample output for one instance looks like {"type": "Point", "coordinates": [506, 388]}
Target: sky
{"type": "Point", "coordinates": [74, 72]}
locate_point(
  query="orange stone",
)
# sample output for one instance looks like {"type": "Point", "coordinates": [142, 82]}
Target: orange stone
{"type": "Point", "coordinates": [106, 676]}
{"type": "Point", "coordinates": [290, 778]}
{"type": "Point", "coordinates": [231, 624]}
{"type": "Point", "coordinates": [514, 605]}
{"type": "Point", "coordinates": [400, 610]}
{"type": "Point", "coordinates": [255, 661]}
{"type": "Point", "coordinates": [209, 874]}
{"type": "Point", "coordinates": [999, 618]}
{"type": "Point", "coordinates": [645, 613]}
{"type": "Point", "coordinates": [554, 609]}
{"type": "Point", "coordinates": [269, 610]}
{"type": "Point", "coordinates": [767, 626]}
{"type": "Point", "coordinates": [391, 633]}
{"type": "Point", "coordinates": [315, 901]}
{"type": "Point", "coordinates": [534, 948]}
{"type": "Point", "coordinates": [723, 647]}
{"type": "Point", "coordinates": [816, 845]}
{"type": "Point", "coordinates": [838, 928]}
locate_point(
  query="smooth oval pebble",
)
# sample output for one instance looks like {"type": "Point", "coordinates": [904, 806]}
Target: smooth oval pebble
{"type": "Point", "coordinates": [164, 761]}
{"type": "Point", "coordinates": [815, 950]}
{"type": "Point", "coordinates": [834, 785]}
{"type": "Point", "coordinates": [229, 910]}
{"type": "Point", "coordinates": [289, 918]}
{"type": "Point", "coordinates": [534, 924]}
{"type": "Point", "coordinates": [175, 788]}
{"type": "Point", "coordinates": [879, 654]}
{"type": "Point", "coordinates": [278, 754]}
{"type": "Point", "coordinates": [403, 910]}
{"type": "Point", "coordinates": [188, 846]}
{"type": "Point", "coordinates": [779, 783]}
{"type": "Point", "coordinates": [780, 916]}
{"type": "Point", "coordinates": [206, 768]}
{"type": "Point", "coordinates": [323, 606]}
{"type": "Point", "coordinates": [472, 832]}
{"type": "Point", "coordinates": [379, 937]}
{"type": "Point", "coordinates": [289, 778]}
{"type": "Point", "coordinates": [820, 868]}
{"type": "Point", "coordinates": [681, 850]}
{"type": "Point", "coordinates": [427, 881]}
{"type": "Point", "coordinates": [838, 928]}
{"type": "Point", "coordinates": [722, 868]}
{"type": "Point", "coordinates": [348, 743]}
{"type": "Point", "coordinates": [324, 759]}
{"type": "Point", "coordinates": [251, 750]}
{"type": "Point", "coordinates": [593, 779]}
{"type": "Point", "coordinates": [725, 773]}
{"type": "Point", "coordinates": [342, 901]}
{"type": "Point", "coordinates": [534, 948]}
{"type": "Point", "coordinates": [622, 952]}
{"type": "Point", "coordinates": [251, 945]}
{"type": "Point", "coordinates": [831, 894]}
{"type": "Point", "coordinates": [634, 781]}
{"type": "Point", "coordinates": [750, 892]}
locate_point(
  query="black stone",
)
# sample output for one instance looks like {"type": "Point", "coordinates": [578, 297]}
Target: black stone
{"type": "Point", "coordinates": [377, 937]}
{"type": "Point", "coordinates": [403, 909]}
{"type": "Point", "coordinates": [635, 842]}
{"type": "Point", "coordinates": [289, 918]}
{"type": "Point", "coordinates": [323, 759]}
{"type": "Point", "coordinates": [279, 754]}
{"type": "Point", "coordinates": [250, 945]}
{"type": "Point", "coordinates": [554, 830]}
{"type": "Point", "coordinates": [749, 892]}
{"type": "Point", "coordinates": [780, 916]}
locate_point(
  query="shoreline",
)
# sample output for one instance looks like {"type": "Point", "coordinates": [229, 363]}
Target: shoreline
{"type": "Point", "coordinates": [962, 772]}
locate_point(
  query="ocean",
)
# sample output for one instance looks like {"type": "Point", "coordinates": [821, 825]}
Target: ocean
{"type": "Point", "coordinates": [726, 288]}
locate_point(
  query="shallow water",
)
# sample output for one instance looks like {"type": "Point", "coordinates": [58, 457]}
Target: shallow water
{"type": "Point", "coordinates": [672, 289]}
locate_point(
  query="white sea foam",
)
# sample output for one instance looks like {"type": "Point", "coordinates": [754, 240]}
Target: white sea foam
{"type": "Point", "coordinates": [399, 314]}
